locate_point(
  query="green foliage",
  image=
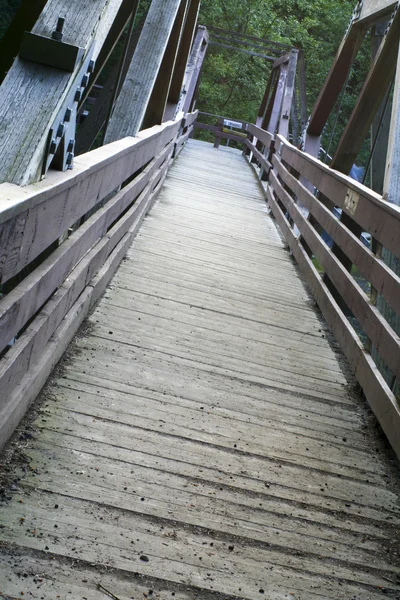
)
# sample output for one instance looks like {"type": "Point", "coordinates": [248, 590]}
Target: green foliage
{"type": "Point", "coordinates": [8, 8]}
{"type": "Point", "coordinates": [233, 83]}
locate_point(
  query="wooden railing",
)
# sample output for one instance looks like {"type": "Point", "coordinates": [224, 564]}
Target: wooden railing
{"type": "Point", "coordinates": [301, 192]}
{"type": "Point", "coordinates": [222, 128]}
{"type": "Point", "coordinates": [61, 240]}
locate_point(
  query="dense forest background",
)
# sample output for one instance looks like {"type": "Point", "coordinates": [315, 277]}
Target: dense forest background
{"type": "Point", "coordinates": [233, 83]}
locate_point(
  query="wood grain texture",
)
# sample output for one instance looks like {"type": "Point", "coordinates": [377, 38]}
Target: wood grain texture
{"type": "Point", "coordinates": [31, 94]}
{"type": "Point", "coordinates": [35, 216]}
{"type": "Point", "coordinates": [131, 105]}
{"type": "Point", "coordinates": [201, 439]}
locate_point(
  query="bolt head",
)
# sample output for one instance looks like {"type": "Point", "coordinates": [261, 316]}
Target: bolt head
{"type": "Point", "coordinates": [68, 115]}
{"type": "Point", "coordinates": [71, 146]}
{"type": "Point", "coordinates": [70, 159]}
{"type": "Point", "coordinates": [78, 95]}
{"type": "Point", "coordinates": [53, 147]}
{"type": "Point", "coordinates": [85, 80]}
{"type": "Point", "coordinates": [60, 130]}
{"type": "Point", "coordinates": [91, 66]}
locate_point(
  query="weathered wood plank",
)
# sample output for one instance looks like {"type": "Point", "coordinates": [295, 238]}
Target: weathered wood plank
{"type": "Point", "coordinates": [176, 444]}
{"type": "Point", "coordinates": [66, 197]}
{"type": "Point", "coordinates": [375, 326]}
{"type": "Point", "coordinates": [375, 215]}
{"type": "Point", "coordinates": [131, 105]}
{"type": "Point", "coordinates": [379, 396]}
{"type": "Point", "coordinates": [26, 118]}
{"type": "Point", "coordinates": [26, 299]}
{"type": "Point", "coordinates": [372, 268]}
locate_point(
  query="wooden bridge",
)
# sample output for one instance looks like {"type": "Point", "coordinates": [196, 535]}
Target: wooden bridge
{"type": "Point", "coordinates": [200, 401]}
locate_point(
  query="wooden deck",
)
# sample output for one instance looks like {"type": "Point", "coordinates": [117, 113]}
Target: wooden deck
{"type": "Point", "coordinates": [201, 439]}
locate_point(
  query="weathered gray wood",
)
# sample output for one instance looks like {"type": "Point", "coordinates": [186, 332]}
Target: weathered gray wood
{"type": "Point", "coordinates": [26, 119]}
{"type": "Point", "coordinates": [131, 105]}
{"type": "Point", "coordinates": [193, 70]}
{"type": "Point", "coordinates": [276, 100]}
{"type": "Point", "coordinates": [167, 434]}
{"type": "Point", "coordinates": [289, 94]}
{"type": "Point", "coordinates": [24, 234]}
{"type": "Point", "coordinates": [97, 117]}
{"type": "Point", "coordinates": [26, 299]}
{"type": "Point", "coordinates": [373, 10]}
{"type": "Point", "coordinates": [25, 368]}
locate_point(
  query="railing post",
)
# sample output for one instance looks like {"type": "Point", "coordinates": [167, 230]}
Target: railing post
{"type": "Point", "coordinates": [220, 126]}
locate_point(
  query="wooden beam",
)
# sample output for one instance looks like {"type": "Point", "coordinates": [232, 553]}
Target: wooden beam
{"type": "Point", "coordinates": [183, 54]}
{"type": "Point", "coordinates": [136, 91]}
{"type": "Point", "coordinates": [32, 95]}
{"type": "Point", "coordinates": [373, 10]}
{"type": "Point", "coordinates": [264, 101]}
{"type": "Point", "coordinates": [381, 123]}
{"type": "Point", "coordinates": [281, 60]}
{"type": "Point", "coordinates": [100, 110]}
{"type": "Point", "coordinates": [276, 112]}
{"type": "Point", "coordinates": [335, 80]}
{"type": "Point", "coordinates": [302, 89]}
{"type": "Point", "coordinates": [123, 18]}
{"type": "Point", "coordinates": [288, 96]}
{"type": "Point", "coordinates": [193, 70]}
{"type": "Point", "coordinates": [159, 96]}
{"type": "Point", "coordinates": [371, 97]}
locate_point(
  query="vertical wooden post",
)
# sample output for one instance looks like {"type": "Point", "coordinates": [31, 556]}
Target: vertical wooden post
{"type": "Point", "coordinates": [381, 124]}
{"type": "Point", "coordinates": [193, 70]}
{"type": "Point", "coordinates": [276, 100]}
{"type": "Point", "coordinates": [220, 125]}
{"type": "Point", "coordinates": [302, 89]}
{"type": "Point", "coordinates": [182, 59]}
{"type": "Point", "coordinates": [391, 192]}
{"type": "Point", "coordinates": [288, 95]}
{"type": "Point", "coordinates": [136, 91]}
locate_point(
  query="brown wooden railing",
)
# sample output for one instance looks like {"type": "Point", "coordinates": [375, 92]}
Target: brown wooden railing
{"type": "Point", "coordinates": [301, 192]}
{"type": "Point", "coordinates": [61, 240]}
{"type": "Point", "coordinates": [221, 129]}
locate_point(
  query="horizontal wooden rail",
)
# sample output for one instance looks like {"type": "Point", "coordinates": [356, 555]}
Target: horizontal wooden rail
{"type": "Point", "coordinates": [293, 182]}
{"type": "Point", "coordinates": [223, 133]}
{"type": "Point", "coordinates": [88, 217]}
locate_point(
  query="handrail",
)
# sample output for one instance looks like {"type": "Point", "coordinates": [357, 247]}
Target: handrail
{"type": "Point", "coordinates": [60, 242]}
{"type": "Point", "coordinates": [294, 182]}
{"type": "Point", "coordinates": [223, 134]}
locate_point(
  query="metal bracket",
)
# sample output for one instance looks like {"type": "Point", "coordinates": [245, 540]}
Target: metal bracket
{"type": "Point", "coordinates": [50, 52]}
{"type": "Point", "coordinates": [61, 141]}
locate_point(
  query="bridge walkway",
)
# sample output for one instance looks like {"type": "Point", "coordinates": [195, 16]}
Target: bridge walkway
{"type": "Point", "coordinates": [201, 438]}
